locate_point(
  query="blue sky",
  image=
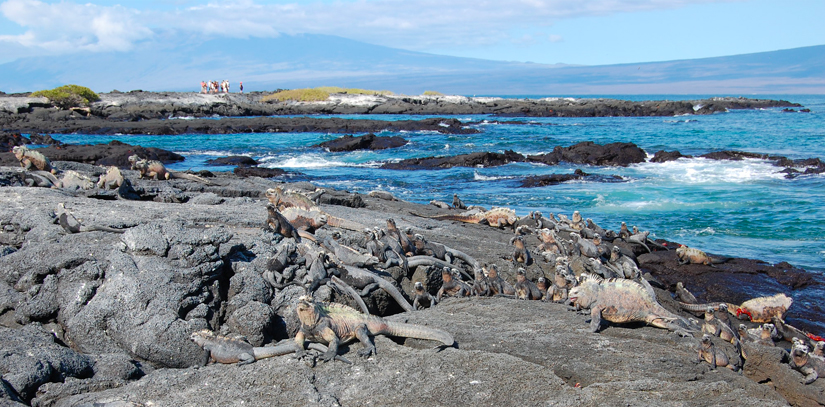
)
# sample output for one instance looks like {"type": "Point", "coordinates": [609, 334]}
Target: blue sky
{"type": "Point", "coordinates": [589, 32]}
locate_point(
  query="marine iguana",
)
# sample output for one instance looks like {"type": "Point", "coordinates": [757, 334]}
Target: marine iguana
{"type": "Point", "coordinates": [716, 358]}
{"type": "Point", "coordinates": [440, 204]}
{"type": "Point", "coordinates": [112, 179]}
{"type": "Point", "coordinates": [71, 225]}
{"type": "Point", "coordinates": [222, 349]}
{"type": "Point", "coordinates": [393, 233]}
{"type": "Point", "coordinates": [32, 160]}
{"type": "Point", "coordinates": [279, 224]}
{"type": "Point", "coordinates": [498, 285]}
{"type": "Point", "coordinates": [156, 170]}
{"type": "Point", "coordinates": [623, 264]}
{"type": "Point", "coordinates": [520, 253]}
{"type": "Point", "coordinates": [450, 286]}
{"type": "Point", "coordinates": [457, 204]}
{"type": "Point", "coordinates": [684, 295]}
{"type": "Point", "coordinates": [337, 324]}
{"type": "Point", "coordinates": [760, 309]}
{"type": "Point", "coordinates": [622, 301]}
{"type": "Point", "coordinates": [526, 289]}
{"type": "Point", "coordinates": [541, 283]}
{"type": "Point", "coordinates": [382, 195]}
{"type": "Point", "coordinates": [302, 219]}
{"type": "Point", "coordinates": [496, 217]}
{"type": "Point", "coordinates": [42, 179]}
{"type": "Point", "coordinates": [481, 285]}
{"type": "Point", "coordinates": [74, 180]}
{"type": "Point", "coordinates": [809, 366]}
{"type": "Point", "coordinates": [423, 299]}
{"type": "Point", "coordinates": [691, 255]}
{"type": "Point", "coordinates": [434, 249]}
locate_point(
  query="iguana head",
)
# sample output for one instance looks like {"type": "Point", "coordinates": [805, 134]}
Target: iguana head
{"type": "Point", "coordinates": [446, 275]}
{"type": "Point", "coordinates": [706, 343]}
{"type": "Point", "coordinates": [768, 331]}
{"type": "Point", "coordinates": [19, 151]}
{"type": "Point", "coordinates": [585, 294]}
{"type": "Point", "coordinates": [200, 337]}
{"type": "Point", "coordinates": [818, 348]}
{"type": "Point", "coordinates": [418, 286]}
{"type": "Point", "coordinates": [799, 353]}
{"type": "Point", "coordinates": [308, 310]}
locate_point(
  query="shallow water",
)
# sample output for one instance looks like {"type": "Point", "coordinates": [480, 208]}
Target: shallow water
{"type": "Point", "coordinates": [733, 208]}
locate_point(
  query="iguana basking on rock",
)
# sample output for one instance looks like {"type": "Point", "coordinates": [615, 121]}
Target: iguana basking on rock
{"type": "Point", "coordinates": [71, 225]}
{"type": "Point", "coordinates": [809, 366]}
{"type": "Point", "coordinates": [622, 301]}
{"type": "Point", "coordinates": [336, 324]}
{"type": "Point", "coordinates": [760, 309]}
{"type": "Point", "coordinates": [112, 179]}
{"type": "Point", "coordinates": [156, 170]}
{"type": "Point", "coordinates": [496, 217]}
{"type": "Point", "coordinates": [222, 349]}
{"type": "Point", "coordinates": [716, 358]}
{"type": "Point", "coordinates": [691, 255]}
{"type": "Point", "coordinates": [32, 160]}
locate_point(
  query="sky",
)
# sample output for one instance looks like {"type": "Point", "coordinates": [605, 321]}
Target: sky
{"type": "Point", "coordinates": [581, 32]}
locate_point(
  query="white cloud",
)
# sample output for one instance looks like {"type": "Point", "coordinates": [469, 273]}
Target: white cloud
{"type": "Point", "coordinates": [410, 24]}
{"type": "Point", "coordinates": [66, 27]}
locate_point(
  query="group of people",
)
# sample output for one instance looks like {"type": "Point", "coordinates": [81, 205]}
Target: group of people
{"type": "Point", "coordinates": [217, 87]}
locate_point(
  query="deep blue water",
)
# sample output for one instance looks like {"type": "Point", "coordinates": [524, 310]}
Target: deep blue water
{"type": "Point", "coordinates": [743, 209]}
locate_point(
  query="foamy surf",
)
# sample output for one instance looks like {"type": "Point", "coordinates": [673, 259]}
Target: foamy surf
{"type": "Point", "coordinates": [302, 161]}
{"type": "Point", "coordinates": [707, 171]}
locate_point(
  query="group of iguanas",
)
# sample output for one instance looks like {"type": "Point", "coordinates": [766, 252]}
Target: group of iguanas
{"type": "Point", "coordinates": [609, 282]}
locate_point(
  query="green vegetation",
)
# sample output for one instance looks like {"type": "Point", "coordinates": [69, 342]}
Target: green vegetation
{"type": "Point", "coordinates": [301, 95]}
{"type": "Point", "coordinates": [69, 96]}
{"type": "Point", "coordinates": [432, 93]}
{"type": "Point", "coordinates": [319, 94]}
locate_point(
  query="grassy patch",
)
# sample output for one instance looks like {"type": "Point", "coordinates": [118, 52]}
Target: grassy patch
{"type": "Point", "coordinates": [300, 95]}
{"type": "Point", "coordinates": [69, 96]}
{"type": "Point", "coordinates": [432, 93]}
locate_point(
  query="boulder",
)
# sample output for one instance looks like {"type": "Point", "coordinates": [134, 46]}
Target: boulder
{"type": "Point", "coordinates": [239, 160]}
{"type": "Point", "coordinates": [365, 142]}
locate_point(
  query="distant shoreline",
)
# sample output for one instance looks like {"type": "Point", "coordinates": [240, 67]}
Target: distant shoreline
{"type": "Point", "coordinates": [140, 112]}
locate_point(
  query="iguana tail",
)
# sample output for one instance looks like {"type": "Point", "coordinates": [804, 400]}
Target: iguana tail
{"type": "Point", "coordinates": [344, 223]}
{"type": "Point", "coordinates": [191, 177]}
{"type": "Point", "coordinates": [287, 348]}
{"type": "Point", "coordinates": [704, 307]}
{"type": "Point", "coordinates": [416, 331]}
{"type": "Point", "coordinates": [459, 218]}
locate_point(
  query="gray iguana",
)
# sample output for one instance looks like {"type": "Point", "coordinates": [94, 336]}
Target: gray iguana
{"type": "Point", "coordinates": [622, 301]}
{"type": "Point", "coordinates": [222, 349]}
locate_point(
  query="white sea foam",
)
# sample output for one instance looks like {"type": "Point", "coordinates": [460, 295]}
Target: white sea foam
{"type": "Point", "coordinates": [302, 161]}
{"type": "Point", "coordinates": [706, 171]}
{"type": "Point", "coordinates": [480, 177]}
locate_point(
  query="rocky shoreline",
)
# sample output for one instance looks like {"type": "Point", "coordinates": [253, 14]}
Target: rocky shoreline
{"type": "Point", "coordinates": [101, 317]}
{"type": "Point", "coordinates": [150, 113]}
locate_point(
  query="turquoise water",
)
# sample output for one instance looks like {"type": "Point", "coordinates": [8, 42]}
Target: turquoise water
{"type": "Point", "coordinates": [744, 208]}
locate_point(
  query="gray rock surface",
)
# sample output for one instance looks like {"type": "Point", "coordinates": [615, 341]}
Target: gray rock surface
{"type": "Point", "coordinates": [104, 318]}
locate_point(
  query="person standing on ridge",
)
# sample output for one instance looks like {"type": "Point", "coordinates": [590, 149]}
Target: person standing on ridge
{"type": "Point", "coordinates": [241, 87]}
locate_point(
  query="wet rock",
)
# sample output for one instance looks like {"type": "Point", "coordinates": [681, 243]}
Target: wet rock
{"type": "Point", "coordinates": [258, 172]}
{"type": "Point", "coordinates": [239, 160]}
{"type": "Point", "coordinates": [588, 152]}
{"type": "Point", "coordinates": [769, 365]}
{"type": "Point", "coordinates": [365, 142]}
{"type": "Point", "coordinates": [481, 159]}
{"type": "Point", "coordinates": [662, 156]}
{"type": "Point", "coordinates": [115, 153]}
{"type": "Point", "coordinates": [44, 139]}
{"type": "Point", "coordinates": [555, 179]}
{"type": "Point", "coordinates": [10, 140]}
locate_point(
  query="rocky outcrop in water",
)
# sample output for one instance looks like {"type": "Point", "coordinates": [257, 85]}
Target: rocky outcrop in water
{"type": "Point", "coordinates": [365, 142]}
{"type": "Point", "coordinates": [555, 179]}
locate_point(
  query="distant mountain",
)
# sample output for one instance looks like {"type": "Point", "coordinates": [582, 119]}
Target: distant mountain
{"type": "Point", "coordinates": [320, 60]}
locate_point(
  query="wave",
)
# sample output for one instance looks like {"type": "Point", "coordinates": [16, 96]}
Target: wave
{"type": "Point", "coordinates": [480, 177]}
{"type": "Point", "coordinates": [706, 171]}
{"type": "Point", "coordinates": [302, 161]}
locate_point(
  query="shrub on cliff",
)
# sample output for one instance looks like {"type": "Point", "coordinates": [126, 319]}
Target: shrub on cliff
{"type": "Point", "coordinates": [68, 96]}
{"type": "Point", "coordinates": [432, 93]}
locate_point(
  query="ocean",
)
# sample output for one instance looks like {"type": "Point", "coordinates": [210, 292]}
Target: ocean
{"type": "Point", "coordinates": [728, 208]}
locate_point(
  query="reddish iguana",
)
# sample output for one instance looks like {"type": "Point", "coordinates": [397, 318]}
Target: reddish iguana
{"type": "Point", "coordinates": [621, 301]}
{"type": "Point", "coordinates": [496, 217]}
{"type": "Point", "coordinates": [336, 324]}
{"type": "Point", "coordinates": [760, 309]}
{"type": "Point", "coordinates": [156, 170]}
